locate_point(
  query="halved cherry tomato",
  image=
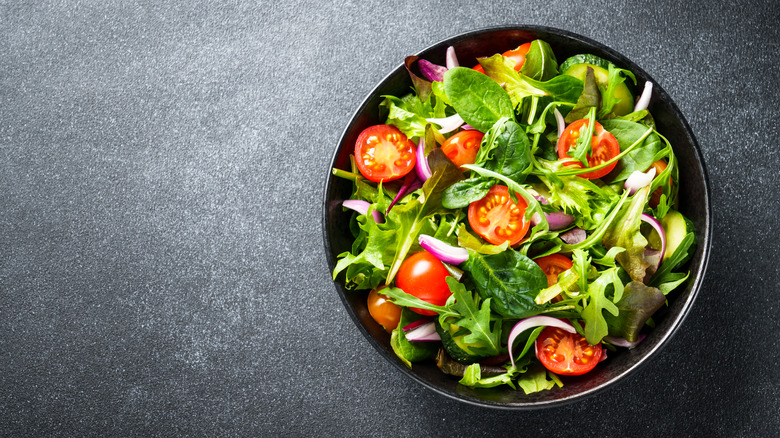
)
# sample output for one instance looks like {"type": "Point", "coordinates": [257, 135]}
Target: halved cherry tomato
{"type": "Point", "coordinates": [462, 147]}
{"type": "Point", "coordinates": [552, 265]}
{"type": "Point", "coordinates": [383, 153]}
{"type": "Point", "coordinates": [497, 218]}
{"type": "Point", "coordinates": [423, 276]}
{"type": "Point", "coordinates": [655, 197]}
{"type": "Point", "coordinates": [385, 312]}
{"type": "Point", "coordinates": [517, 55]}
{"type": "Point", "coordinates": [564, 353]}
{"type": "Point", "coordinates": [604, 147]}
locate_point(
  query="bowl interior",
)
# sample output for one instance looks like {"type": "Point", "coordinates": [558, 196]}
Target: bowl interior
{"type": "Point", "coordinates": [693, 203]}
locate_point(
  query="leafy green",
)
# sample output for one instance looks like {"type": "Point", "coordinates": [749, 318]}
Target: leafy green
{"type": "Point", "coordinates": [407, 114]}
{"type": "Point", "coordinates": [535, 379]}
{"type": "Point", "coordinates": [540, 63]}
{"type": "Point", "coordinates": [680, 256]}
{"type": "Point", "coordinates": [597, 302]}
{"type": "Point", "coordinates": [638, 303]}
{"type": "Point", "coordinates": [463, 193]}
{"type": "Point", "coordinates": [473, 377]}
{"type": "Point", "coordinates": [519, 86]}
{"type": "Point", "coordinates": [624, 232]}
{"type": "Point", "coordinates": [480, 101]}
{"type": "Point", "coordinates": [641, 157]}
{"type": "Point", "coordinates": [510, 279]}
{"type": "Point", "coordinates": [421, 86]}
{"type": "Point", "coordinates": [472, 242]}
{"type": "Point", "coordinates": [616, 77]}
{"type": "Point", "coordinates": [590, 98]}
{"type": "Point", "coordinates": [580, 197]}
{"type": "Point", "coordinates": [408, 351]}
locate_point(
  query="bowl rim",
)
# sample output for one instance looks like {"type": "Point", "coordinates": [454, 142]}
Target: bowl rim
{"type": "Point", "coordinates": [705, 245]}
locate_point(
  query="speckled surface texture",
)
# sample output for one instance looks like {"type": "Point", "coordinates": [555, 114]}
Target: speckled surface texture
{"type": "Point", "coordinates": [161, 261]}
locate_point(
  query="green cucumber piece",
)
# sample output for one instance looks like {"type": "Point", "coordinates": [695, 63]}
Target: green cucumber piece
{"type": "Point", "coordinates": [625, 102]}
{"type": "Point", "coordinates": [676, 226]}
{"type": "Point", "coordinates": [458, 350]}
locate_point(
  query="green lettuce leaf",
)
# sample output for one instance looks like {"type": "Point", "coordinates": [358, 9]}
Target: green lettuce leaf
{"type": "Point", "coordinates": [624, 233]}
{"type": "Point", "coordinates": [407, 351]}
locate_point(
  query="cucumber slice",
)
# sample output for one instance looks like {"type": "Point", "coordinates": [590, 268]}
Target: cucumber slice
{"type": "Point", "coordinates": [676, 226]}
{"type": "Point", "coordinates": [458, 349]}
{"type": "Point", "coordinates": [584, 59]}
{"type": "Point", "coordinates": [625, 103]}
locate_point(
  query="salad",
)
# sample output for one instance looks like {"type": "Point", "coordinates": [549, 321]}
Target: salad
{"type": "Point", "coordinates": [516, 220]}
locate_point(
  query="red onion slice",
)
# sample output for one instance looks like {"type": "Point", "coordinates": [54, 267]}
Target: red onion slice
{"type": "Point", "coordinates": [442, 251]}
{"type": "Point", "coordinates": [638, 180]}
{"type": "Point", "coordinates": [452, 59]}
{"type": "Point", "coordinates": [574, 236]}
{"type": "Point", "coordinates": [658, 229]}
{"type": "Point", "coordinates": [468, 127]}
{"type": "Point", "coordinates": [644, 100]}
{"type": "Point", "coordinates": [422, 169]}
{"type": "Point", "coordinates": [411, 183]}
{"type": "Point", "coordinates": [448, 124]}
{"type": "Point", "coordinates": [431, 71]}
{"type": "Point", "coordinates": [362, 208]}
{"type": "Point", "coordinates": [621, 342]}
{"type": "Point", "coordinates": [417, 323]}
{"type": "Point", "coordinates": [425, 332]}
{"type": "Point", "coordinates": [533, 322]}
{"type": "Point", "coordinates": [557, 220]}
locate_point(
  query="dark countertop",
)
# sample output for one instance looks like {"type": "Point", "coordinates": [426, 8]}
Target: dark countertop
{"type": "Point", "coordinates": [161, 174]}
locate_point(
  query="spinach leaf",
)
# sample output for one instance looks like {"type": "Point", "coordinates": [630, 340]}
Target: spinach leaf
{"type": "Point", "coordinates": [641, 157]}
{"type": "Point", "coordinates": [510, 279]}
{"type": "Point", "coordinates": [479, 100]}
{"type": "Point", "coordinates": [463, 193]}
{"type": "Point", "coordinates": [408, 351]}
{"type": "Point", "coordinates": [540, 62]}
{"type": "Point", "coordinates": [511, 156]}
{"type": "Point", "coordinates": [638, 303]}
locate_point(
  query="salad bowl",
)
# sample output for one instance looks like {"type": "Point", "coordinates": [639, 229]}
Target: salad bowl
{"type": "Point", "coordinates": [693, 198]}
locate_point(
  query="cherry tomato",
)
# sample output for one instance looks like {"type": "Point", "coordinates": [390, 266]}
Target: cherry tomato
{"type": "Point", "coordinates": [383, 153]}
{"type": "Point", "coordinates": [552, 265]}
{"type": "Point", "coordinates": [604, 146]}
{"type": "Point", "coordinates": [564, 353]}
{"type": "Point", "coordinates": [517, 55]}
{"type": "Point", "coordinates": [497, 218]}
{"type": "Point", "coordinates": [423, 276]}
{"type": "Point", "coordinates": [385, 312]}
{"type": "Point", "coordinates": [655, 197]}
{"type": "Point", "coordinates": [462, 147]}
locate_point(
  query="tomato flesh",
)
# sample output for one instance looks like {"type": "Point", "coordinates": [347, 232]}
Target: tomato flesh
{"type": "Point", "coordinates": [383, 153]}
{"type": "Point", "coordinates": [553, 265]}
{"type": "Point", "coordinates": [497, 218]}
{"type": "Point", "coordinates": [564, 353]}
{"type": "Point", "coordinates": [423, 276]}
{"type": "Point", "coordinates": [384, 312]}
{"type": "Point", "coordinates": [604, 147]}
{"type": "Point", "coordinates": [517, 55]}
{"type": "Point", "coordinates": [462, 147]}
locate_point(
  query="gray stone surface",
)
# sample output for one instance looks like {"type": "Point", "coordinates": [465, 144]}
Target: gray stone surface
{"type": "Point", "coordinates": [161, 261]}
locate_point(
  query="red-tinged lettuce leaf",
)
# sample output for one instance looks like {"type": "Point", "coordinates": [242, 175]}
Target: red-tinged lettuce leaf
{"type": "Point", "coordinates": [421, 86]}
{"type": "Point", "coordinates": [638, 304]}
{"type": "Point", "coordinates": [624, 233]}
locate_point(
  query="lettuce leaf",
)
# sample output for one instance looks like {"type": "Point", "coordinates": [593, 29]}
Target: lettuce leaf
{"type": "Point", "coordinates": [624, 232]}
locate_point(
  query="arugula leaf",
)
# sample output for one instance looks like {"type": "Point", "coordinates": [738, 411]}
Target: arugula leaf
{"type": "Point", "coordinates": [624, 232]}
{"type": "Point", "coordinates": [479, 100]}
{"type": "Point", "coordinates": [408, 351]}
{"type": "Point", "coordinates": [472, 317]}
{"type": "Point", "coordinates": [616, 77]}
{"type": "Point", "coordinates": [540, 62]}
{"type": "Point", "coordinates": [679, 257]}
{"type": "Point", "coordinates": [638, 303]}
{"type": "Point", "coordinates": [670, 281]}
{"type": "Point", "coordinates": [511, 279]}
{"type": "Point", "coordinates": [593, 315]}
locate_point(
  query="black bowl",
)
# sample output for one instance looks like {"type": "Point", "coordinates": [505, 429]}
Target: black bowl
{"type": "Point", "coordinates": [694, 202]}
